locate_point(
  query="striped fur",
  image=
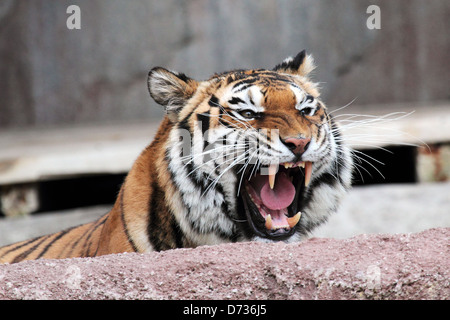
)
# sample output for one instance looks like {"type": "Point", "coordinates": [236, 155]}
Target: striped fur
{"type": "Point", "coordinates": [187, 187]}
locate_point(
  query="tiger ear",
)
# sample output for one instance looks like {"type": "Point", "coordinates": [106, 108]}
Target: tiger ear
{"type": "Point", "coordinates": [301, 65]}
{"type": "Point", "coordinates": [171, 90]}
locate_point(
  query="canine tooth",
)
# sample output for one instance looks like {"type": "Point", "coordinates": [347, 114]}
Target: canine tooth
{"type": "Point", "coordinates": [269, 224]}
{"type": "Point", "coordinates": [292, 221]}
{"type": "Point", "coordinates": [286, 165]}
{"type": "Point", "coordinates": [271, 180]}
{"type": "Point", "coordinates": [308, 172]}
{"type": "Point", "coordinates": [272, 173]}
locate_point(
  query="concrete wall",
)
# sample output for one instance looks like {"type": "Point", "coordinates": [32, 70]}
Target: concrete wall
{"type": "Point", "coordinates": [52, 75]}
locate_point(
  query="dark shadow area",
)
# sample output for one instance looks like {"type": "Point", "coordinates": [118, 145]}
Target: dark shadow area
{"type": "Point", "coordinates": [393, 165]}
{"type": "Point", "coordinates": [79, 192]}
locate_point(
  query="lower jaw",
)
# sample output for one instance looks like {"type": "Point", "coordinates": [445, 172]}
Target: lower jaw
{"type": "Point", "coordinates": [256, 222]}
{"type": "Point", "coordinates": [253, 219]}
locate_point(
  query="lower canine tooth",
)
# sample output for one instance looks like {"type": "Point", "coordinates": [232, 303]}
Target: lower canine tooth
{"type": "Point", "coordinates": [292, 221]}
{"type": "Point", "coordinates": [269, 224]}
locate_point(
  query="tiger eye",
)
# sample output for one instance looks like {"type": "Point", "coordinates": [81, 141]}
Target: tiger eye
{"type": "Point", "coordinates": [249, 114]}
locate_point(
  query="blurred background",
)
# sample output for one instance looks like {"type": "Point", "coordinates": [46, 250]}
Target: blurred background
{"type": "Point", "coordinates": [75, 111]}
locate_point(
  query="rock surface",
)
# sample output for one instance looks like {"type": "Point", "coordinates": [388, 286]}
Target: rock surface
{"type": "Point", "coordinates": [400, 266]}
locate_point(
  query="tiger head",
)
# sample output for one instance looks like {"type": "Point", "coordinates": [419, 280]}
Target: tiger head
{"type": "Point", "coordinates": [254, 154]}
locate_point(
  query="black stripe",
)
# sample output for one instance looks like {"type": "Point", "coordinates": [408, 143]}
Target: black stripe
{"type": "Point", "coordinates": [74, 244]}
{"type": "Point", "coordinates": [245, 86]}
{"type": "Point", "coordinates": [176, 230]}
{"type": "Point", "coordinates": [25, 254]}
{"type": "Point", "coordinates": [324, 178]}
{"type": "Point", "coordinates": [124, 223]}
{"type": "Point", "coordinates": [185, 121]}
{"type": "Point", "coordinates": [154, 224]}
{"type": "Point", "coordinates": [214, 102]}
{"type": "Point", "coordinates": [203, 118]}
{"type": "Point", "coordinates": [59, 236]}
{"type": "Point", "coordinates": [247, 82]}
{"type": "Point", "coordinates": [226, 124]}
{"type": "Point", "coordinates": [158, 235]}
{"type": "Point", "coordinates": [235, 100]}
{"type": "Point", "coordinates": [91, 231]}
{"type": "Point", "coordinates": [335, 130]}
{"type": "Point", "coordinates": [18, 246]}
{"type": "Point", "coordinates": [94, 228]}
{"type": "Point", "coordinates": [225, 207]}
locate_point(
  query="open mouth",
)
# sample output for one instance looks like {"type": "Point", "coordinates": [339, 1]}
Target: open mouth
{"type": "Point", "coordinates": [271, 200]}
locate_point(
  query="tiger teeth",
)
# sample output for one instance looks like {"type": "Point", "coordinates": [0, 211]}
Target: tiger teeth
{"type": "Point", "coordinates": [308, 172]}
{"type": "Point", "coordinates": [269, 223]}
{"type": "Point", "coordinates": [292, 221]}
{"type": "Point", "coordinates": [307, 165]}
{"type": "Point", "coordinates": [272, 173]}
{"type": "Point", "coordinates": [289, 165]}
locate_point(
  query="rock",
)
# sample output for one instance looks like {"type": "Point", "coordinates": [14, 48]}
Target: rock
{"type": "Point", "coordinates": [400, 266]}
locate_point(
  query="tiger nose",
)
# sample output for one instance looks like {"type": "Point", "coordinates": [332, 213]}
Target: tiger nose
{"type": "Point", "coordinates": [297, 145]}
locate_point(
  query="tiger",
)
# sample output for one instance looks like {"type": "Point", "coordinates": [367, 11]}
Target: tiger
{"type": "Point", "coordinates": [246, 155]}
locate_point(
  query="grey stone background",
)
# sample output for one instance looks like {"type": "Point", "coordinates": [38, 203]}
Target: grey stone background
{"type": "Point", "coordinates": [52, 75]}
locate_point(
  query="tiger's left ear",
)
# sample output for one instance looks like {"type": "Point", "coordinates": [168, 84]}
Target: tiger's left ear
{"type": "Point", "coordinates": [301, 65]}
{"type": "Point", "coordinates": [170, 89]}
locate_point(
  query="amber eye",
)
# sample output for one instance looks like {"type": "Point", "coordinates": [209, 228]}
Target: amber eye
{"type": "Point", "coordinates": [248, 114]}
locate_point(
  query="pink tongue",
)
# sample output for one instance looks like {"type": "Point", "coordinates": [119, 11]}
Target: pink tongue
{"type": "Point", "coordinates": [282, 194]}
